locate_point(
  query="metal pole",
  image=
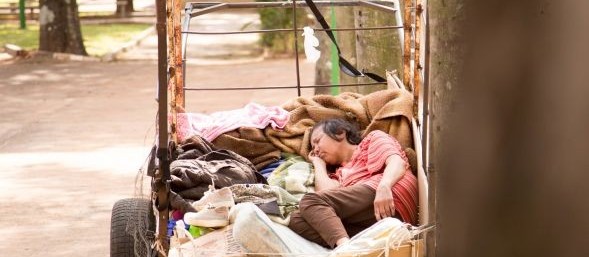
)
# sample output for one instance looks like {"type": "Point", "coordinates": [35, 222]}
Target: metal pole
{"type": "Point", "coordinates": [186, 31]}
{"type": "Point", "coordinates": [21, 14]}
{"type": "Point", "coordinates": [161, 185]}
{"type": "Point", "coordinates": [381, 5]}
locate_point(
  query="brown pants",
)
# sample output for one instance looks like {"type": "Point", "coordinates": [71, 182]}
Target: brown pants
{"type": "Point", "coordinates": [326, 216]}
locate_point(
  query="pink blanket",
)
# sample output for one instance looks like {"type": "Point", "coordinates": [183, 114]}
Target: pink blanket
{"type": "Point", "coordinates": [211, 126]}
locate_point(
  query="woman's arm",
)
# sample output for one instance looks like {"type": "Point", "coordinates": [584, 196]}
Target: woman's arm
{"type": "Point", "coordinates": [383, 201]}
{"type": "Point", "coordinates": [322, 180]}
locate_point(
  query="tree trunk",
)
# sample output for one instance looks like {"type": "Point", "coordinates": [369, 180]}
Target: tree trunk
{"type": "Point", "coordinates": [323, 65]}
{"type": "Point", "coordinates": [376, 50]}
{"type": "Point", "coordinates": [124, 8]}
{"type": "Point", "coordinates": [60, 27]}
{"type": "Point", "coordinates": [446, 55]}
{"type": "Point", "coordinates": [510, 122]}
{"type": "Point", "coordinates": [344, 18]}
{"type": "Point", "coordinates": [347, 44]}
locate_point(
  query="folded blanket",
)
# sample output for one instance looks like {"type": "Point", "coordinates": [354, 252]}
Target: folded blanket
{"type": "Point", "coordinates": [272, 200]}
{"type": "Point", "coordinates": [210, 126]}
{"type": "Point", "coordinates": [386, 110]}
{"type": "Point", "coordinates": [250, 143]}
{"type": "Point", "coordinates": [295, 175]}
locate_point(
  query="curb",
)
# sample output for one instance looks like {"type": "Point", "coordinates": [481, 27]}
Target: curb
{"type": "Point", "coordinates": [63, 56]}
{"type": "Point", "coordinates": [46, 54]}
{"type": "Point", "coordinates": [72, 57]}
{"type": "Point", "coordinates": [135, 41]}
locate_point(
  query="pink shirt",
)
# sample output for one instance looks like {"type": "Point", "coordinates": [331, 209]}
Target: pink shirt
{"type": "Point", "coordinates": [367, 166]}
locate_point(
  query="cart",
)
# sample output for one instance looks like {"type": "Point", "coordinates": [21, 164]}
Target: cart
{"type": "Point", "coordinates": [139, 226]}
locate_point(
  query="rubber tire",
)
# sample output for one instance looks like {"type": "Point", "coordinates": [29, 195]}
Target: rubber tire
{"type": "Point", "coordinates": [122, 243]}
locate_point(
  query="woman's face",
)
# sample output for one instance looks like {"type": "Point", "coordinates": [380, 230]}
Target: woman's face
{"type": "Point", "coordinates": [325, 147]}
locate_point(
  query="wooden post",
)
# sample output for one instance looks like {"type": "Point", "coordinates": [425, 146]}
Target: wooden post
{"type": "Point", "coordinates": [179, 96]}
{"type": "Point", "coordinates": [171, 67]}
{"type": "Point", "coordinates": [417, 68]}
{"type": "Point", "coordinates": [175, 63]}
{"type": "Point", "coordinates": [511, 133]}
{"type": "Point", "coordinates": [444, 71]}
{"type": "Point", "coordinates": [407, 5]}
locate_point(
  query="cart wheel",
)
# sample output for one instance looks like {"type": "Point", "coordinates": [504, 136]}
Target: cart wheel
{"type": "Point", "coordinates": [131, 219]}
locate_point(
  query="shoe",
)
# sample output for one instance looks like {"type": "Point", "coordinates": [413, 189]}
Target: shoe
{"type": "Point", "coordinates": [212, 217]}
{"type": "Point", "coordinates": [215, 198]}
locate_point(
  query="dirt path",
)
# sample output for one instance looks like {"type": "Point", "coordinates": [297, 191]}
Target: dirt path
{"type": "Point", "coordinates": [73, 135]}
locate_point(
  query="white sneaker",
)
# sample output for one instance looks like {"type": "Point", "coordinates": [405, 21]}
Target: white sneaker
{"type": "Point", "coordinates": [212, 217]}
{"type": "Point", "coordinates": [215, 198]}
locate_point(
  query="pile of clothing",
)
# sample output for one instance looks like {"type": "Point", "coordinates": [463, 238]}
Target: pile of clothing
{"type": "Point", "coordinates": [255, 154]}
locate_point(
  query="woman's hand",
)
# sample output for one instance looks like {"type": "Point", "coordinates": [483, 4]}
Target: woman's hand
{"type": "Point", "coordinates": [383, 201]}
{"type": "Point", "coordinates": [322, 180]}
{"type": "Point", "coordinates": [316, 161]}
{"type": "Point", "coordinates": [384, 206]}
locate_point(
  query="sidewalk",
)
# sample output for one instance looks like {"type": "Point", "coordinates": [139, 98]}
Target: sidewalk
{"type": "Point", "coordinates": [210, 49]}
{"type": "Point", "coordinates": [73, 135]}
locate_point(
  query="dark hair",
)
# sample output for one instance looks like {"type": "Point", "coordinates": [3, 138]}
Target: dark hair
{"type": "Point", "coordinates": [334, 127]}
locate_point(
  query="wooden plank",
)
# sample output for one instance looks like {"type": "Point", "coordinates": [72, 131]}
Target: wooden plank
{"type": "Point", "coordinates": [416, 61]}
{"type": "Point", "coordinates": [179, 96]}
{"type": "Point", "coordinates": [172, 21]}
{"type": "Point", "coordinates": [407, 4]}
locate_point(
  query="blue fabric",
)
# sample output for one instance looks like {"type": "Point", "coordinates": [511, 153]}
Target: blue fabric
{"type": "Point", "coordinates": [171, 224]}
{"type": "Point", "coordinates": [267, 170]}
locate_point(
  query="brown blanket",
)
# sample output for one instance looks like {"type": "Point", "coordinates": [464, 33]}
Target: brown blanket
{"type": "Point", "coordinates": [251, 144]}
{"type": "Point", "coordinates": [386, 110]}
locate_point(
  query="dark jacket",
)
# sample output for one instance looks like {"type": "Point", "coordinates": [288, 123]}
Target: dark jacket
{"type": "Point", "coordinates": [200, 164]}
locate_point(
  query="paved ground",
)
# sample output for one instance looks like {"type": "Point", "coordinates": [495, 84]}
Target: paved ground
{"type": "Point", "coordinates": [211, 48]}
{"type": "Point", "coordinates": [73, 135]}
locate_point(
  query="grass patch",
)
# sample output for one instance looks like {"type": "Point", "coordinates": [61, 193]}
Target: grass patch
{"type": "Point", "coordinates": [27, 38]}
{"type": "Point", "coordinates": [104, 38]}
{"type": "Point", "coordinates": [99, 39]}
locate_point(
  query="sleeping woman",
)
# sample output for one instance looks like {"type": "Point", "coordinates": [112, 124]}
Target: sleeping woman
{"type": "Point", "coordinates": [373, 181]}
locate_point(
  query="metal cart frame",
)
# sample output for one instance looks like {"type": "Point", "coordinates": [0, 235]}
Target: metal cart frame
{"type": "Point", "coordinates": [172, 38]}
